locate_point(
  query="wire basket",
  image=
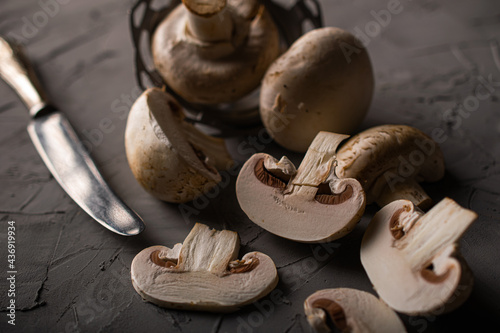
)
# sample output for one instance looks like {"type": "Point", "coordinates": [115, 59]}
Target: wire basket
{"type": "Point", "coordinates": [146, 15]}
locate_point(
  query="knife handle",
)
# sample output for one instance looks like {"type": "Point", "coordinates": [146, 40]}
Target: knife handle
{"type": "Point", "coordinates": [16, 70]}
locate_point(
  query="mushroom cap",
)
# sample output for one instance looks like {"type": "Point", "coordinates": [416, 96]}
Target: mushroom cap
{"type": "Point", "coordinates": [351, 310]}
{"type": "Point", "coordinates": [412, 259]}
{"type": "Point", "coordinates": [301, 217]}
{"type": "Point", "coordinates": [165, 163]}
{"type": "Point", "coordinates": [212, 73]}
{"type": "Point", "coordinates": [198, 277]}
{"type": "Point", "coordinates": [315, 87]}
{"type": "Point", "coordinates": [374, 154]}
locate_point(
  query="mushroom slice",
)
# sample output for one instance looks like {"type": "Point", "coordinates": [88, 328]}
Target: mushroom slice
{"type": "Point", "coordinates": [350, 310]}
{"type": "Point", "coordinates": [389, 161]}
{"type": "Point", "coordinates": [215, 51]}
{"type": "Point", "coordinates": [169, 157]}
{"type": "Point", "coordinates": [308, 205]}
{"type": "Point", "coordinates": [412, 259]}
{"type": "Point", "coordinates": [203, 273]}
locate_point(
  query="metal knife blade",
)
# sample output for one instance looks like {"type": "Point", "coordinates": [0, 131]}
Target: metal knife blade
{"type": "Point", "coordinates": [62, 151]}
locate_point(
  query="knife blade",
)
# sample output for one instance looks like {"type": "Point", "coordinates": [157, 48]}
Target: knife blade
{"type": "Point", "coordinates": [62, 151]}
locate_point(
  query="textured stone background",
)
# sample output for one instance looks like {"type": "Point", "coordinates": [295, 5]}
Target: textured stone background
{"type": "Point", "coordinates": [73, 275]}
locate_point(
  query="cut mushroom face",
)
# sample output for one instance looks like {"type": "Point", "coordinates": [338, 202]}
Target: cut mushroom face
{"type": "Point", "coordinates": [412, 259]}
{"type": "Point", "coordinates": [203, 273]}
{"type": "Point", "coordinates": [170, 158]}
{"type": "Point", "coordinates": [319, 84]}
{"type": "Point", "coordinates": [215, 51]}
{"type": "Point", "coordinates": [308, 205]}
{"type": "Point", "coordinates": [350, 310]}
{"type": "Point", "coordinates": [389, 161]}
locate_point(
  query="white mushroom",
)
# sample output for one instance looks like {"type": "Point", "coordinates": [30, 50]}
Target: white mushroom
{"type": "Point", "coordinates": [317, 85]}
{"type": "Point", "coordinates": [350, 310]}
{"type": "Point", "coordinates": [389, 161]}
{"type": "Point", "coordinates": [203, 273]}
{"type": "Point", "coordinates": [412, 259]}
{"type": "Point", "coordinates": [213, 51]}
{"type": "Point", "coordinates": [169, 157]}
{"type": "Point", "coordinates": [309, 205]}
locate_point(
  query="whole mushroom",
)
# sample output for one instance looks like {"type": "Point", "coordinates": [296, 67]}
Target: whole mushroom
{"type": "Point", "coordinates": [169, 157]}
{"type": "Point", "coordinates": [203, 273]}
{"type": "Point", "coordinates": [350, 310]}
{"type": "Point", "coordinates": [215, 51]}
{"type": "Point", "coordinates": [412, 259]}
{"type": "Point", "coordinates": [309, 205]}
{"type": "Point", "coordinates": [389, 161]}
{"type": "Point", "coordinates": [319, 84]}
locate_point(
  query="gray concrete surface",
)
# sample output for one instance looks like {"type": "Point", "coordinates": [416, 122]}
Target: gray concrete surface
{"type": "Point", "coordinates": [73, 275]}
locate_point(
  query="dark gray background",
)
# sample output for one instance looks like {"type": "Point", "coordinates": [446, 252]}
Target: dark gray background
{"type": "Point", "coordinates": [73, 275]}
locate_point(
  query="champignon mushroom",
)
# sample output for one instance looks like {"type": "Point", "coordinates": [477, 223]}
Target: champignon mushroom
{"type": "Point", "coordinates": [308, 205]}
{"type": "Point", "coordinates": [350, 310]}
{"type": "Point", "coordinates": [214, 51]}
{"type": "Point", "coordinates": [389, 161]}
{"type": "Point", "coordinates": [203, 273]}
{"type": "Point", "coordinates": [169, 157]}
{"type": "Point", "coordinates": [317, 85]}
{"type": "Point", "coordinates": [412, 259]}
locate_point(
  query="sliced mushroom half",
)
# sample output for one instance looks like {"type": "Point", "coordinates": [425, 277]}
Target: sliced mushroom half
{"type": "Point", "coordinates": [308, 205]}
{"type": "Point", "coordinates": [412, 258]}
{"type": "Point", "coordinates": [390, 161]}
{"type": "Point", "coordinates": [203, 273]}
{"type": "Point", "coordinates": [350, 310]}
{"type": "Point", "coordinates": [169, 157]}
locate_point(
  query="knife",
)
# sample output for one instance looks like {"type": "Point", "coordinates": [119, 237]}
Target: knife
{"type": "Point", "coordinates": [62, 151]}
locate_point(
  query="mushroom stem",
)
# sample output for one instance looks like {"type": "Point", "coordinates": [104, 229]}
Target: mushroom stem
{"type": "Point", "coordinates": [318, 163]}
{"type": "Point", "coordinates": [208, 20]}
{"type": "Point", "coordinates": [434, 232]}
{"type": "Point", "coordinates": [209, 250]}
{"type": "Point", "coordinates": [408, 190]}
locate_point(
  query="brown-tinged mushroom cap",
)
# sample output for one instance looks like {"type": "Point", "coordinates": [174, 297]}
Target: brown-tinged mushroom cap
{"type": "Point", "coordinates": [205, 8]}
{"type": "Point", "coordinates": [203, 273]}
{"type": "Point", "coordinates": [212, 52]}
{"type": "Point", "coordinates": [317, 85]}
{"type": "Point", "coordinates": [389, 161]}
{"type": "Point", "coordinates": [309, 205]}
{"type": "Point", "coordinates": [350, 310]}
{"type": "Point", "coordinates": [412, 259]}
{"type": "Point", "coordinates": [169, 157]}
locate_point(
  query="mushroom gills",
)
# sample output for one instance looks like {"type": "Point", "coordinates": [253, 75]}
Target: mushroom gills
{"type": "Point", "coordinates": [215, 51]}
